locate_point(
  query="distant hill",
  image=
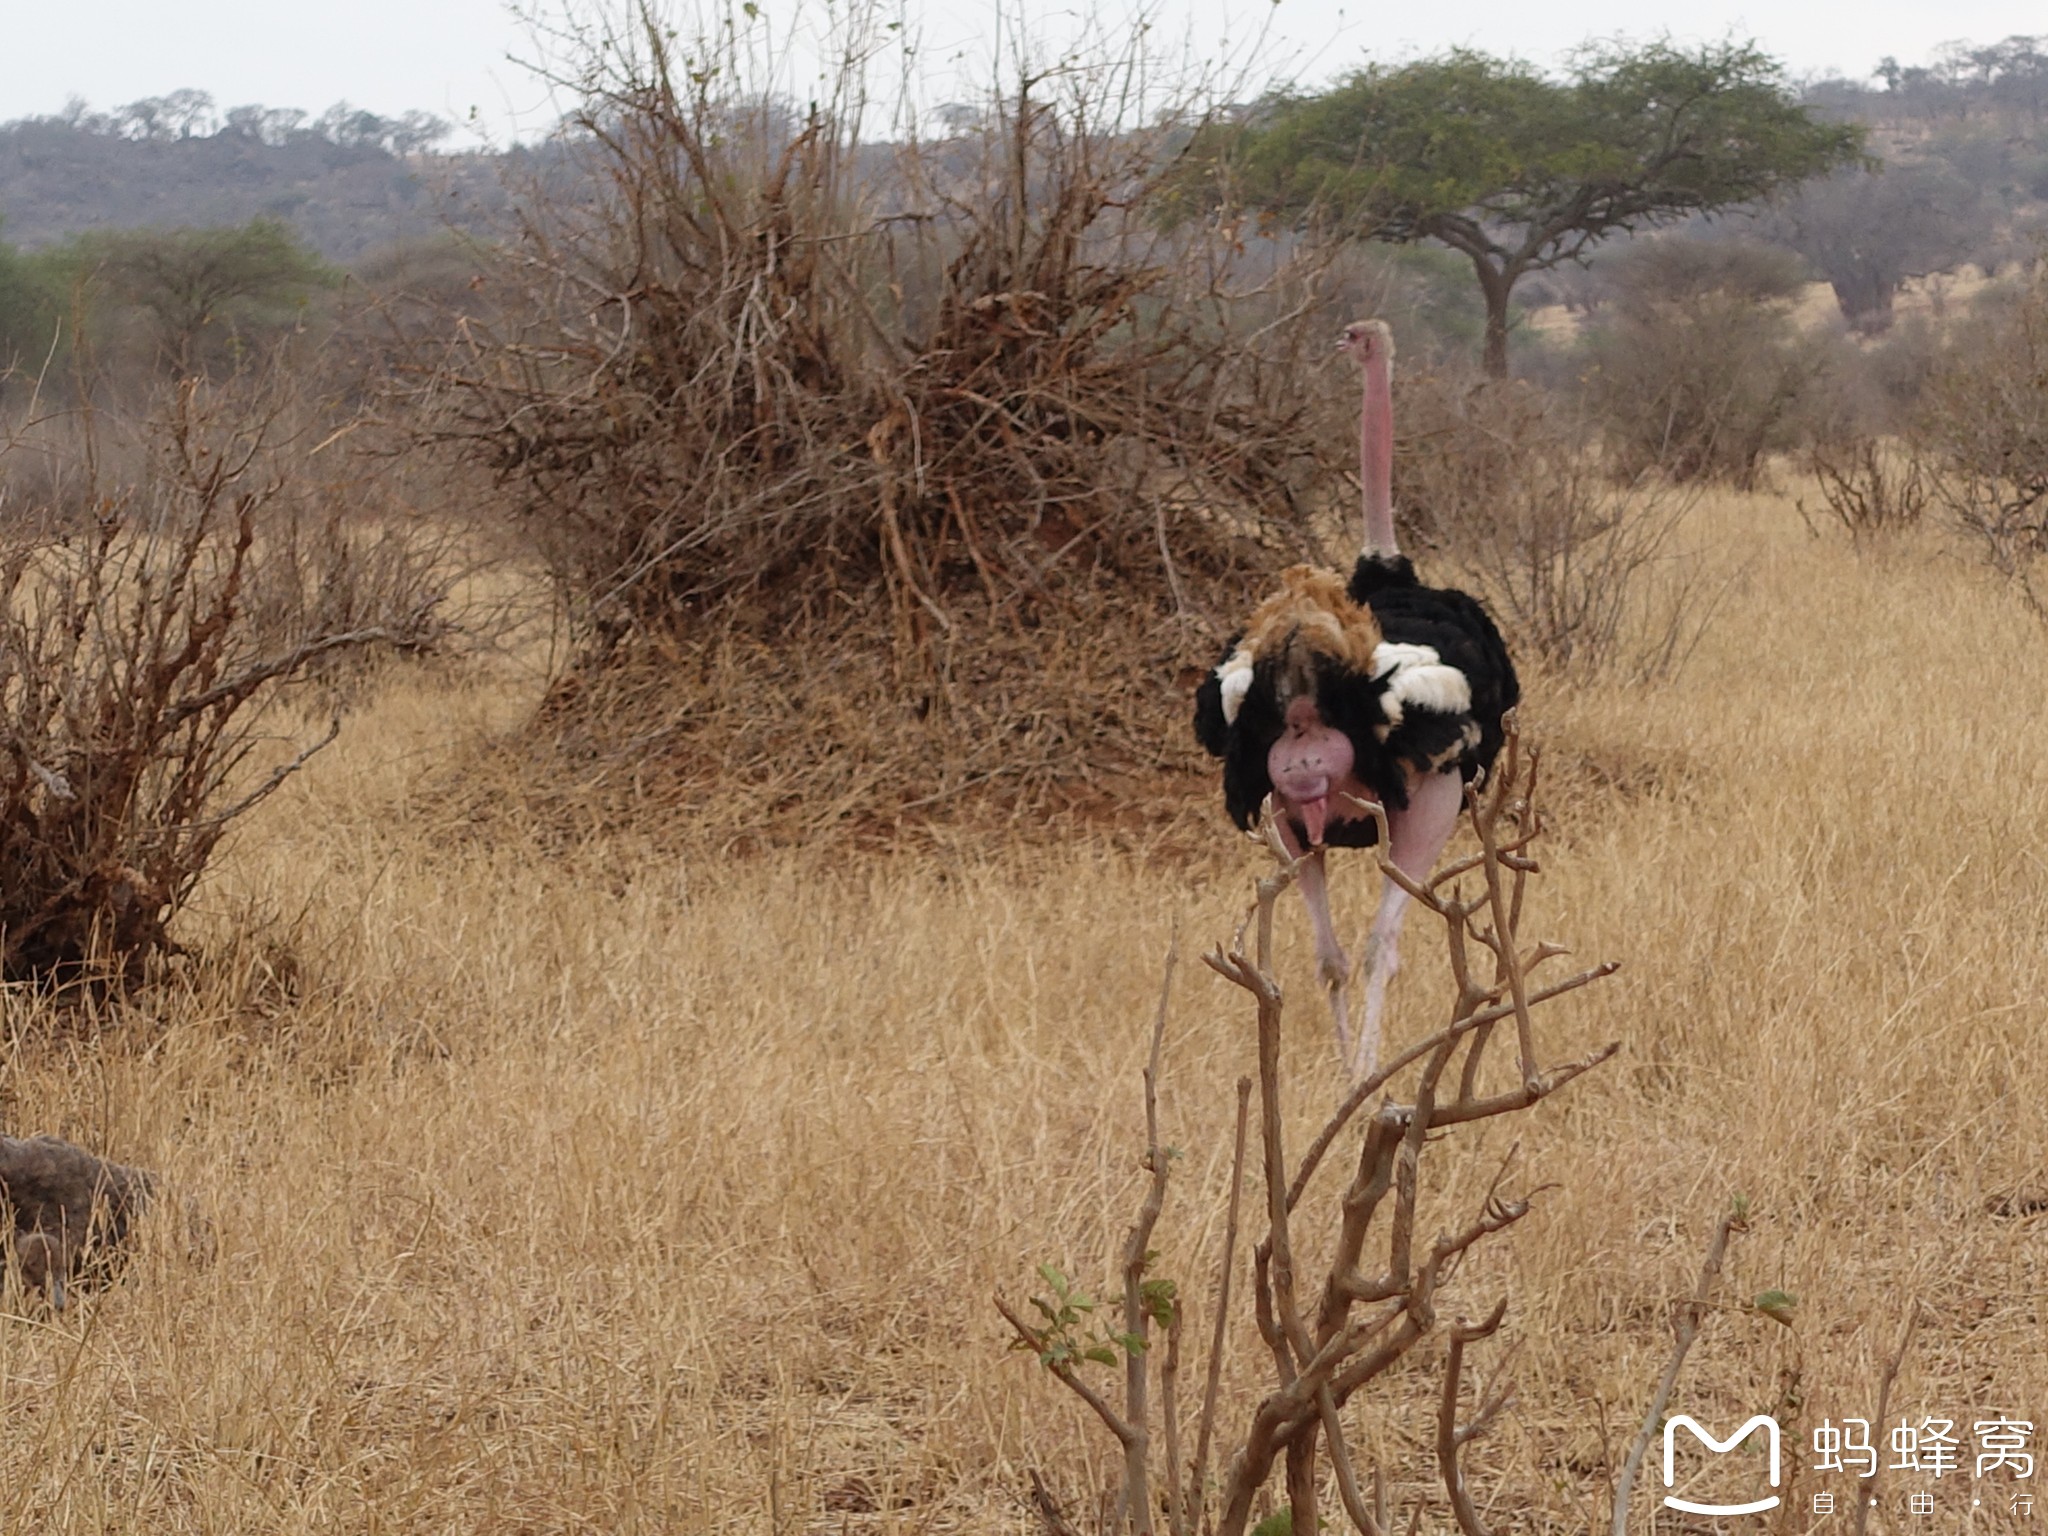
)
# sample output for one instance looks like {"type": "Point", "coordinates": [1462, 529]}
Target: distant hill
{"type": "Point", "coordinates": [347, 182]}
{"type": "Point", "coordinates": [1965, 140]}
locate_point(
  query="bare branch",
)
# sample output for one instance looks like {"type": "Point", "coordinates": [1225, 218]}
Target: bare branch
{"type": "Point", "coordinates": [1685, 1326]}
{"type": "Point", "coordinates": [1137, 1255]}
{"type": "Point", "coordinates": [1050, 1515]}
{"type": "Point", "coordinates": [1198, 1475]}
{"type": "Point", "coordinates": [1169, 1414]}
{"type": "Point", "coordinates": [1356, 1098]}
{"type": "Point", "coordinates": [1366, 1520]}
{"type": "Point", "coordinates": [1868, 1496]}
{"type": "Point", "coordinates": [1450, 1437]}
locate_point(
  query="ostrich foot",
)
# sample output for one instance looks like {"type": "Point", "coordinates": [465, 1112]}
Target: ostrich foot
{"type": "Point", "coordinates": [1336, 974]}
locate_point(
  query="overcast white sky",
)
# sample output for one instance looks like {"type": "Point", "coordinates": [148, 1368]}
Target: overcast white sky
{"type": "Point", "coordinates": [453, 57]}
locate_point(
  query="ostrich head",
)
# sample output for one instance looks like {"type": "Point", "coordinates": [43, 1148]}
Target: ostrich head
{"type": "Point", "coordinates": [1306, 635]}
{"type": "Point", "coordinates": [1367, 341]}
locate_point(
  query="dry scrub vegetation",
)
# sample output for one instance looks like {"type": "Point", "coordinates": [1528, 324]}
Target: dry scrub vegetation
{"type": "Point", "coordinates": [145, 622]}
{"type": "Point", "coordinates": [608, 1191]}
{"type": "Point", "coordinates": [618, 1092]}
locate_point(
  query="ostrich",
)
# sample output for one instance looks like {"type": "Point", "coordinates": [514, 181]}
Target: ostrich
{"type": "Point", "coordinates": [1338, 695]}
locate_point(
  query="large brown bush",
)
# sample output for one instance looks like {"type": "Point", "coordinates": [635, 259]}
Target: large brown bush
{"type": "Point", "coordinates": [945, 442]}
{"type": "Point", "coordinates": [1983, 431]}
{"type": "Point", "coordinates": [767, 357]}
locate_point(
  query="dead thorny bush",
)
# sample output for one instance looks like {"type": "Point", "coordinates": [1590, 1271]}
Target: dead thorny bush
{"type": "Point", "coordinates": [1581, 568]}
{"type": "Point", "coordinates": [1982, 431]}
{"type": "Point", "coordinates": [1332, 1337]}
{"type": "Point", "coordinates": [772, 358]}
{"type": "Point", "coordinates": [135, 674]}
{"type": "Point", "coordinates": [1869, 486]}
{"type": "Point", "coordinates": [914, 404]}
{"type": "Point", "coordinates": [323, 569]}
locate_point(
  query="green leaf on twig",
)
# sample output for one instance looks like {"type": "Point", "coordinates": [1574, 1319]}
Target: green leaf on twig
{"type": "Point", "coordinates": [1779, 1306]}
{"type": "Point", "coordinates": [1159, 1298]}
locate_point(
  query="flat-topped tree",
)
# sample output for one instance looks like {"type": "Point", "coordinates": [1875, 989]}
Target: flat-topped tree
{"type": "Point", "coordinates": [1521, 171]}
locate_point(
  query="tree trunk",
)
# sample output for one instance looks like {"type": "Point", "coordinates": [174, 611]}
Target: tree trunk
{"type": "Point", "coordinates": [1301, 1481]}
{"type": "Point", "coordinates": [1497, 284]}
{"type": "Point", "coordinates": [1865, 299]}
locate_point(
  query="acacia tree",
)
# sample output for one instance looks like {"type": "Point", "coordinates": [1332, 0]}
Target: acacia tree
{"type": "Point", "coordinates": [192, 283]}
{"type": "Point", "coordinates": [25, 318]}
{"type": "Point", "coordinates": [1867, 233]}
{"type": "Point", "coordinates": [1521, 172]}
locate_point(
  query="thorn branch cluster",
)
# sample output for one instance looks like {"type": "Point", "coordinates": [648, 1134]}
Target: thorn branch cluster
{"type": "Point", "coordinates": [1333, 1335]}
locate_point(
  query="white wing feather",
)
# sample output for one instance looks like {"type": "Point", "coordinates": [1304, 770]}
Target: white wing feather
{"type": "Point", "coordinates": [1235, 674]}
{"type": "Point", "coordinates": [1417, 677]}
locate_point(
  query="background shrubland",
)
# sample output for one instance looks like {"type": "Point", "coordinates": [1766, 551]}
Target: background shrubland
{"type": "Point", "coordinates": [755, 581]}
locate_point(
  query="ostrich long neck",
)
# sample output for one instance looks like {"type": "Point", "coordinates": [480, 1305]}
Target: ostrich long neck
{"type": "Point", "coordinates": [1376, 455]}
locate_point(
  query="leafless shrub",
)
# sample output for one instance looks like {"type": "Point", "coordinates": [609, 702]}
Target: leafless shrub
{"type": "Point", "coordinates": [1381, 1295]}
{"type": "Point", "coordinates": [1983, 432]}
{"type": "Point", "coordinates": [1578, 565]}
{"type": "Point", "coordinates": [1870, 487]}
{"type": "Point", "coordinates": [1896, 369]}
{"type": "Point", "coordinates": [775, 390]}
{"type": "Point", "coordinates": [325, 570]}
{"type": "Point", "coordinates": [772, 367]}
{"type": "Point", "coordinates": [131, 682]}
{"type": "Point", "coordinates": [1700, 372]}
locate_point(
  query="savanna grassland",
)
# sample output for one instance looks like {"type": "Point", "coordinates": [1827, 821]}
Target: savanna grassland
{"type": "Point", "coordinates": [581, 1187]}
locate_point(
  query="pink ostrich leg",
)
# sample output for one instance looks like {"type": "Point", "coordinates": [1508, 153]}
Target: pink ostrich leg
{"type": "Point", "coordinates": [1416, 839]}
{"type": "Point", "coordinates": [1333, 966]}
{"type": "Point", "coordinates": [1309, 766]}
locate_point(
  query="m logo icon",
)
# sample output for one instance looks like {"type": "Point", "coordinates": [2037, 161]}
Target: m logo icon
{"type": "Point", "coordinates": [1764, 1421]}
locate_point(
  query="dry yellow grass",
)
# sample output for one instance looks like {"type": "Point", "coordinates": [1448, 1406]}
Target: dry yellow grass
{"type": "Point", "coordinates": [601, 1193]}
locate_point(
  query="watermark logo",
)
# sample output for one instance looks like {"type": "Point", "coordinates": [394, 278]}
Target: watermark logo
{"type": "Point", "coordinates": [1762, 1421]}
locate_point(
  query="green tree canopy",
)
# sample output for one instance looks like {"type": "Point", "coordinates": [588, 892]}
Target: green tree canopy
{"type": "Point", "coordinates": [196, 284]}
{"type": "Point", "coordinates": [1519, 171]}
{"type": "Point", "coordinates": [29, 307]}
{"type": "Point", "coordinates": [20, 306]}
